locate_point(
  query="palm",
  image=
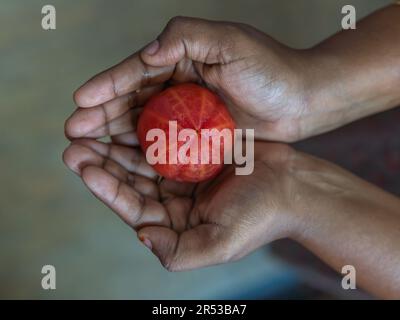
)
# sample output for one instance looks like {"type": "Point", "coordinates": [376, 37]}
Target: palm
{"type": "Point", "coordinates": [120, 177]}
{"type": "Point", "coordinates": [194, 225]}
{"type": "Point", "coordinates": [120, 169]}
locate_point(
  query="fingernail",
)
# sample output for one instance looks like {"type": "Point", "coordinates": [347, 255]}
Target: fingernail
{"type": "Point", "coordinates": [152, 48]}
{"type": "Point", "coordinates": [146, 242]}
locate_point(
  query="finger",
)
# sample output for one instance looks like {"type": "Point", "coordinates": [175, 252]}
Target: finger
{"type": "Point", "coordinates": [126, 139]}
{"type": "Point", "coordinates": [132, 207]}
{"type": "Point", "coordinates": [128, 76]}
{"type": "Point", "coordinates": [113, 117]}
{"type": "Point", "coordinates": [77, 157]}
{"type": "Point", "coordinates": [130, 159]}
{"type": "Point", "coordinates": [194, 248]}
{"type": "Point", "coordinates": [199, 40]}
{"type": "Point", "coordinates": [185, 71]}
{"type": "Point", "coordinates": [110, 118]}
{"type": "Point", "coordinates": [143, 185]}
{"type": "Point", "coordinates": [123, 124]}
{"type": "Point", "coordinates": [85, 120]}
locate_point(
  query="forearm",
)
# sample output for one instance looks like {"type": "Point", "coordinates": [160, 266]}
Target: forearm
{"type": "Point", "coordinates": [355, 73]}
{"type": "Point", "coordinates": [355, 223]}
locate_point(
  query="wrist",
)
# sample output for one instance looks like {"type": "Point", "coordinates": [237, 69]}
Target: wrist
{"type": "Point", "coordinates": [330, 199]}
{"type": "Point", "coordinates": [294, 117]}
{"type": "Point", "coordinates": [282, 217]}
{"type": "Point", "coordinates": [322, 100]}
{"type": "Point", "coordinates": [340, 88]}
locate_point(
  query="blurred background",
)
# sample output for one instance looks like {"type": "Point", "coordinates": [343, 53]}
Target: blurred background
{"type": "Point", "coordinates": [48, 217]}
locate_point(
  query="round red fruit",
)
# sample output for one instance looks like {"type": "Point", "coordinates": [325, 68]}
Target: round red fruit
{"type": "Point", "coordinates": [186, 106]}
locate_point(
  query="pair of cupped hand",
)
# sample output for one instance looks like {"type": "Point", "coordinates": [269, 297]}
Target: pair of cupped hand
{"type": "Point", "coordinates": [266, 86]}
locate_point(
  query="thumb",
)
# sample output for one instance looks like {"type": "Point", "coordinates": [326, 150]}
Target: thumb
{"type": "Point", "coordinates": [194, 248]}
{"type": "Point", "coordinates": [196, 39]}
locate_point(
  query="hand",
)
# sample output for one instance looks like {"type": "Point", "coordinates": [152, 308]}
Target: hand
{"type": "Point", "coordinates": [284, 94]}
{"type": "Point", "coordinates": [262, 81]}
{"type": "Point", "coordinates": [189, 225]}
{"type": "Point", "coordinates": [316, 203]}
{"type": "Point", "coordinates": [339, 217]}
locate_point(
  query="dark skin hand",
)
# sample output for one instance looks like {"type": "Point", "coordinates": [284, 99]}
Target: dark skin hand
{"type": "Point", "coordinates": [289, 195]}
{"type": "Point", "coordinates": [285, 95]}
{"type": "Point", "coordinates": [237, 61]}
{"type": "Point", "coordinates": [186, 225]}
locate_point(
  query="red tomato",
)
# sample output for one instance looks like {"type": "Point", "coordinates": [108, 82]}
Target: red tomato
{"type": "Point", "coordinates": [192, 107]}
